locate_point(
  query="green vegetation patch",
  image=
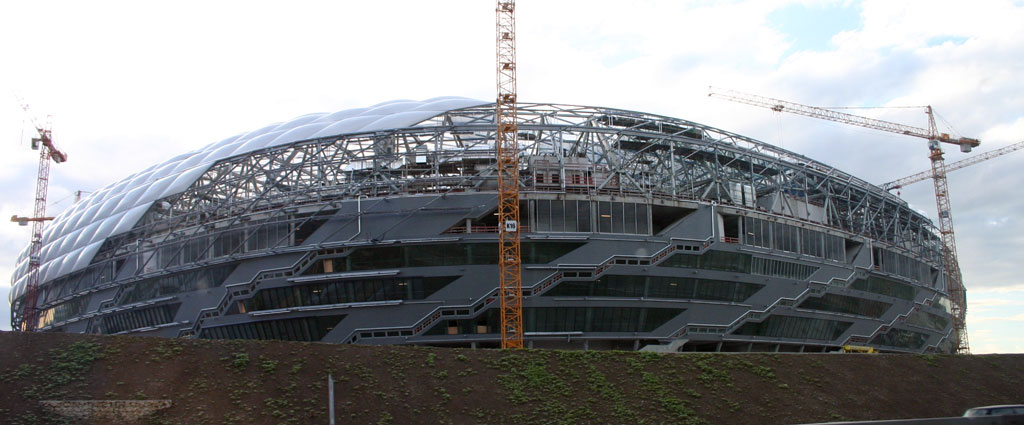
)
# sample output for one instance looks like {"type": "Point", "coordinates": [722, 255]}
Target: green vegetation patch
{"type": "Point", "coordinates": [67, 364]}
{"type": "Point", "coordinates": [528, 378]}
{"type": "Point", "coordinates": [710, 375]}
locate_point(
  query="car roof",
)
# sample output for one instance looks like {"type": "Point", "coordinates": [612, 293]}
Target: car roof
{"type": "Point", "coordinates": [996, 406]}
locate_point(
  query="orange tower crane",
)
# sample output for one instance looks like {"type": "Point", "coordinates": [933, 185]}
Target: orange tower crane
{"type": "Point", "coordinates": [47, 152]}
{"type": "Point", "coordinates": [507, 147]}
{"type": "Point", "coordinates": [954, 279]}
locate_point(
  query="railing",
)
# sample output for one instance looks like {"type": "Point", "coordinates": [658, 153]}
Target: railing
{"type": "Point", "coordinates": [481, 229]}
{"type": "Point", "coordinates": [240, 289]}
{"type": "Point", "coordinates": [883, 328]}
{"type": "Point", "coordinates": [594, 271]}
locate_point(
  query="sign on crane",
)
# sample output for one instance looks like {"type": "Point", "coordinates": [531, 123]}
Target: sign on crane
{"type": "Point", "coordinates": [510, 284]}
{"type": "Point", "coordinates": [954, 278]}
{"type": "Point", "coordinates": [47, 152]}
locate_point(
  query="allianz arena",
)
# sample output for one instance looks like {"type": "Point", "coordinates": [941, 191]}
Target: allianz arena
{"type": "Point", "coordinates": [377, 226]}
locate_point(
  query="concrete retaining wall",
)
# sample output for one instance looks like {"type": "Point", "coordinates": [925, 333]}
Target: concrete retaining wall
{"type": "Point", "coordinates": [105, 411]}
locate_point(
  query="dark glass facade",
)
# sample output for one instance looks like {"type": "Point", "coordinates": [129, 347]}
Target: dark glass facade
{"type": "Point", "coordinates": [741, 263]}
{"type": "Point", "coordinates": [566, 319]}
{"type": "Point", "coordinates": [63, 311]}
{"type": "Point", "coordinates": [172, 284]}
{"type": "Point", "coordinates": [346, 291]}
{"type": "Point", "coordinates": [590, 217]}
{"type": "Point", "coordinates": [296, 329]}
{"type": "Point", "coordinates": [900, 338]}
{"type": "Point", "coordinates": [711, 260]}
{"type": "Point", "coordinates": [887, 287]}
{"type": "Point", "coordinates": [779, 268]}
{"type": "Point", "coordinates": [597, 319]}
{"type": "Point", "coordinates": [847, 304]}
{"type": "Point", "coordinates": [139, 318]}
{"type": "Point", "coordinates": [928, 320]}
{"type": "Point", "coordinates": [786, 237]}
{"type": "Point", "coordinates": [462, 254]}
{"type": "Point", "coordinates": [658, 287]}
{"type": "Point", "coordinates": [902, 265]}
{"type": "Point", "coordinates": [779, 326]}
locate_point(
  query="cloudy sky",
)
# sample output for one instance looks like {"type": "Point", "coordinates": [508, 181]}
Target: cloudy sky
{"type": "Point", "coordinates": [129, 84]}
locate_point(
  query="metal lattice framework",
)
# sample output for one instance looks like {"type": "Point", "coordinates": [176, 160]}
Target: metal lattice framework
{"type": "Point", "coordinates": [630, 153]}
{"type": "Point", "coordinates": [646, 154]}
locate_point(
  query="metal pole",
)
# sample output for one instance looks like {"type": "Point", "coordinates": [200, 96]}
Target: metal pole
{"type": "Point", "coordinates": [330, 396]}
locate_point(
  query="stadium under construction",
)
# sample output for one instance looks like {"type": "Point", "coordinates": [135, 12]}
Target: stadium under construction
{"type": "Point", "coordinates": [378, 226]}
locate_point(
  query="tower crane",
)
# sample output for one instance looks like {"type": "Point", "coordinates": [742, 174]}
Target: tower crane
{"type": "Point", "coordinates": [507, 150]}
{"type": "Point", "coordinates": [953, 166]}
{"type": "Point", "coordinates": [957, 294]}
{"type": "Point", "coordinates": [47, 152]}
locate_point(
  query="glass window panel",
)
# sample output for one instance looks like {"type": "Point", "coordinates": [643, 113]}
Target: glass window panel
{"type": "Point", "coordinates": [643, 221]}
{"type": "Point", "coordinates": [617, 215]}
{"type": "Point", "coordinates": [794, 238]}
{"type": "Point", "coordinates": [604, 221]}
{"type": "Point", "coordinates": [558, 216]}
{"type": "Point", "coordinates": [584, 216]}
{"type": "Point", "coordinates": [168, 254]}
{"type": "Point", "coordinates": [779, 236]}
{"type": "Point", "coordinates": [811, 243]}
{"type": "Point", "coordinates": [629, 218]}
{"type": "Point", "coordinates": [571, 222]}
{"type": "Point", "coordinates": [928, 320]}
{"type": "Point", "coordinates": [750, 234]}
{"type": "Point", "coordinates": [543, 216]}
{"type": "Point", "coordinates": [766, 234]}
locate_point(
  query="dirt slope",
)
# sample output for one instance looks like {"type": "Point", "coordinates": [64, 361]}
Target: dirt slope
{"type": "Point", "coordinates": [259, 382]}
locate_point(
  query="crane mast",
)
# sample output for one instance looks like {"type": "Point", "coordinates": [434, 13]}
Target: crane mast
{"type": "Point", "coordinates": [507, 151]}
{"type": "Point", "coordinates": [957, 294]}
{"type": "Point", "coordinates": [954, 279]}
{"type": "Point", "coordinates": [47, 152]}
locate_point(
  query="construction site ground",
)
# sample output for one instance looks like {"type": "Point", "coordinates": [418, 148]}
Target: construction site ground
{"type": "Point", "coordinates": [267, 382]}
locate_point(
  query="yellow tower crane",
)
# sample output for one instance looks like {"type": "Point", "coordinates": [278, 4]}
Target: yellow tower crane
{"type": "Point", "coordinates": [954, 279]}
{"type": "Point", "coordinates": [507, 150]}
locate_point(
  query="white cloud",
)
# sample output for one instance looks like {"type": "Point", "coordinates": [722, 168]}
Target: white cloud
{"type": "Point", "coordinates": [984, 319]}
{"type": "Point", "coordinates": [992, 302]}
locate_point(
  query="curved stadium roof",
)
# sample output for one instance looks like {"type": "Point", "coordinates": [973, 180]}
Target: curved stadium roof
{"type": "Point", "coordinates": [74, 237]}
